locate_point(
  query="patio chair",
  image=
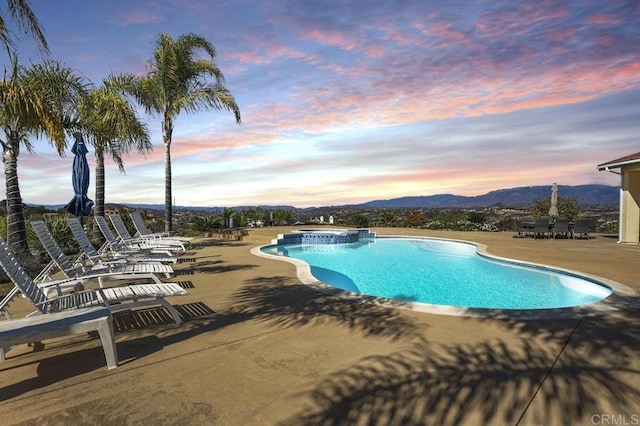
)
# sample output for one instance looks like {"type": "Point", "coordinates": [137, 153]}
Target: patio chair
{"type": "Point", "coordinates": [114, 298]}
{"type": "Point", "coordinates": [99, 272]}
{"type": "Point", "coordinates": [581, 228]}
{"type": "Point", "coordinates": [561, 228]}
{"type": "Point", "coordinates": [526, 226]}
{"type": "Point", "coordinates": [143, 231]}
{"type": "Point", "coordinates": [132, 247]}
{"type": "Point", "coordinates": [48, 326]}
{"type": "Point", "coordinates": [90, 252]}
{"type": "Point", "coordinates": [541, 228]}
{"type": "Point", "coordinates": [126, 237]}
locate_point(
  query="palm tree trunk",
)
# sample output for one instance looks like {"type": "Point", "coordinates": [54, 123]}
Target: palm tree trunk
{"type": "Point", "coordinates": [16, 230]}
{"type": "Point", "coordinates": [167, 130]}
{"type": "Point", "coordinates": [98, 209]}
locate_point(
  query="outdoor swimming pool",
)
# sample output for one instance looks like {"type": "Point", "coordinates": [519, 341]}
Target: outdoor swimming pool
{"type": "Point", "coordinates": [440, 272]}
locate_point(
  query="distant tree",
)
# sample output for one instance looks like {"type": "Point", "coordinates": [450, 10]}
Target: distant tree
{"type": "Point", "coordinates": [240, 218]}
{"type": "Point", "coordinates": [568, 207]}
{"type": "Point", "coordinates": [476, 217]}
{"type": "Point", "coordinates": [387, 219]}
{"type": "Point", "coordinates": [207, 223]}
{"type": "Point", "coordinates": [226, 216]}
{"type": "Point", "coordinates": [361, 221]}
{"type": "Point", "coordinates": [449, 219]}
{"type": "Point", "coordinates": [416, 220]}
{"type": "Point", "coordinates": [282, 217]}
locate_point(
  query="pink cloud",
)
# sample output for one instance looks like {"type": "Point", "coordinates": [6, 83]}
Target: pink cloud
{"type": "Point", "coordinates": [248, 57]}
{"type": "Point", "coordinates": [139, 16]}
{"type": "Point", "coordinates": [331, 38]}
{"type": "Point", "coordinates": [546, 10]}
{"type": "Point", "coordinates": [561, 34]}
{"type": "Point", "coordinates": [444, 32]}
{"type": "Point", "coordinates": [605, 19]}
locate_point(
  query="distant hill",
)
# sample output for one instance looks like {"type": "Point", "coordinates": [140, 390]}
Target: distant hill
{"type": "Point", "coordinates": [523, 196]}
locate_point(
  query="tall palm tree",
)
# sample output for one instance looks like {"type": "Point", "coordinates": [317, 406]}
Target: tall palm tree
{"type": "Point", "coordinates": [26, 21]}
{"type": "Point", "coordinates": [112, 127]}
{"type": "Point", "coordinates": [179, 82]}
{"type": "Point", "coordinates": [39, 100]}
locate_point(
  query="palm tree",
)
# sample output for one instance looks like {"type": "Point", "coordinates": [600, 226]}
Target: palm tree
{"type": "Point", "coordinates": [38, 100]}
{"type": "Point", "coordinates": [178, 82]}
{"type": "Point", "coordinates": [113, 128]}
{"type": "Point", "coordinates": [282, 217]}
{"type": "Point", "coordinates": [26, 22]}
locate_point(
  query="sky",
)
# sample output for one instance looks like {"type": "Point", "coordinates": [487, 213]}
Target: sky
{"type": "Point", "coordinates": [348, 101]}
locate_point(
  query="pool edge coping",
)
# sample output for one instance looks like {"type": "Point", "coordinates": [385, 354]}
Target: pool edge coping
{"type": "Point", "coordinates": [609, 304]}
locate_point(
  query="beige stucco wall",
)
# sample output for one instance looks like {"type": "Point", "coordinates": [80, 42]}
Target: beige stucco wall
{"type": "Point", "coordinates": [630, 205]}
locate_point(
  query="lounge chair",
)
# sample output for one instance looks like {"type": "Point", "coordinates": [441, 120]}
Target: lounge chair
{"type": "Point", "coordinates": [48, 326]}
{"type": "Point", "coordinates": [127, 238]}
{"type": "Point", "coordinates": [541, 228]}
{"type": "Point", "coordinates": [561, 228]}
{"type": "Point", "coordinates": [115, 298]}
{"type": "Point", "coordinates": [90, 252]}
{"type": "Point", "coordinates": [99, 272]}
{"type": "Point", "coordinates": [6, 301]}
{"type": "Point", "coordinates": [143, 231]}
{"type": "Point", "coordinates": [116, 245]}
{"type": "Point", "coordinates": [581, 228]}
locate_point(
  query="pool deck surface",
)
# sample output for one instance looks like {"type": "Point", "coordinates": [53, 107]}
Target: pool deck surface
{"type": "Point", "coordinates": [257, 347]}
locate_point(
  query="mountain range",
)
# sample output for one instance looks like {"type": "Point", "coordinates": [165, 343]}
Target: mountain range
{"type": "Point", "coordinates": [591, 194]}
{"type": "Point", "coordinates": [522, 196]}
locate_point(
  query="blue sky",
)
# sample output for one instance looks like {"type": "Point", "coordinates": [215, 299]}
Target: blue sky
{"type": "Point", "coordinates": [349, 101]}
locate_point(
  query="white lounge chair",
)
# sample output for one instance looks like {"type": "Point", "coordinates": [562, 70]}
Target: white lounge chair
{"type": "Point", "coordinates": [94, 256]}
{"type": "Point", "coordinates": [116, 245]}
{"type": "Point", "coordinates": [100, 272]}
{"type": "Point", "coordinates": [51, 325]}
{"type": "Point", "coordinates": [127, 238]}
{"type": "Point", "coordinates": [115, 298]}
{"type": "Point", "coordinates": [143, 231]}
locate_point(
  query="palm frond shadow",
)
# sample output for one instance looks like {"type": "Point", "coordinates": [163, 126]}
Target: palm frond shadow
{"type": "Point", "coordinates": [77, 362]}
{"type": "Point", "coordinates": [211, 242]}
{"type": "Point", "coordinates": [283, 302]}
{"type": "Point", "coordinates": [491, 383]}
{"type": "Point", "coordinates": [217, 267]}
{"type": "Point", "coordinates": [277, 300]}
{"type": "Point", "coordinates": [615, 334]}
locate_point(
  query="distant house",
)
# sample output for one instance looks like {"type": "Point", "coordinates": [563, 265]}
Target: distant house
{"type": "Point", "coordinates": [629, 167]}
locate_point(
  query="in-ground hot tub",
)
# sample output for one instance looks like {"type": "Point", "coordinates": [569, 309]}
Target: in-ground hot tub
{"type": "Point", "coordinates": [324, 236]}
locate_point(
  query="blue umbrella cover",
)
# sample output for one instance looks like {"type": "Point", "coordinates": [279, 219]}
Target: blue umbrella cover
{"type": "Point", "coordinates": [80, 205]}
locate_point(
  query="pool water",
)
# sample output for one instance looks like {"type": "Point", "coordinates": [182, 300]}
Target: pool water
{"type": "Point", "coordinates": [440, 272]}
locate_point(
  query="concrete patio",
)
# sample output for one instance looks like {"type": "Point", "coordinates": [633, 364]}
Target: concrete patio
{"type": "Point", "coordinates": [259, 348]}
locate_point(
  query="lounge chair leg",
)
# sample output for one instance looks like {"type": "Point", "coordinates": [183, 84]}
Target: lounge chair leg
{"type": "Point", "coordinates": [105, 329]}
{"type": "Point", "coordinates": [172, 311]}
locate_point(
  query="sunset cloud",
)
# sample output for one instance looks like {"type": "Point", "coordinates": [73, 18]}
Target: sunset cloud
{"type": "Point", "coordinates": [366, 100]}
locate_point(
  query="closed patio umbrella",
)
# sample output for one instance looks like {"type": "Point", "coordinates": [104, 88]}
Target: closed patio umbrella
{"type": "Point", "coordinates": [80, 205]}
{"type": "Point", "coordinates": [553, 210]}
